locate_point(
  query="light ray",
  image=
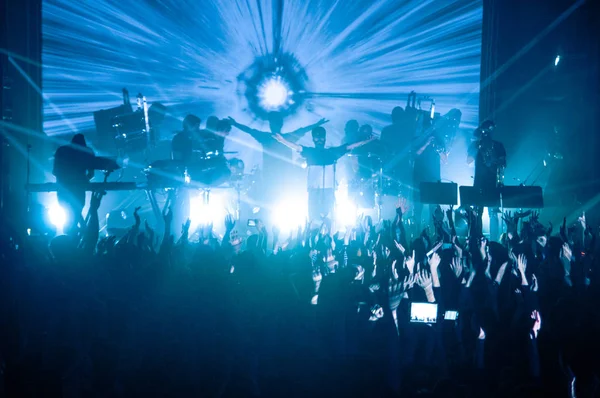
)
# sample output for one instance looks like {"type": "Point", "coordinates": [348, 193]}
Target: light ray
{"type": "Point", "coordinates": [361, 58]}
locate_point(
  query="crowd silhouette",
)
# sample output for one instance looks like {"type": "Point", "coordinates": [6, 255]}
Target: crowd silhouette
{"type": "Point", "coordinates": [163, 314]}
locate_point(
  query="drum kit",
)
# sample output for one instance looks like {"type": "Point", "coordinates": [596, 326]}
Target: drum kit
{"type": "Point", "coordinates": [208, 171]}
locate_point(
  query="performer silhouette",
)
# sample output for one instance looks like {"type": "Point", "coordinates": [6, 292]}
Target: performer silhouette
{"type": "Point", "coordinates": [73, 168]}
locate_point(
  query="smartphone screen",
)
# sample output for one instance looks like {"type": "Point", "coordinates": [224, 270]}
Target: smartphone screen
{"type": "Point", "coordinates": [252, 223]}
{"type": "Point", "coordinates": [423, 312]}
{"type": "Point", "coordinates": [451, 315]}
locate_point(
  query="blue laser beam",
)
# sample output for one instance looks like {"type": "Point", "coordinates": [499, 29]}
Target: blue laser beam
{"type": "Point", "coordinates": [358, 59]}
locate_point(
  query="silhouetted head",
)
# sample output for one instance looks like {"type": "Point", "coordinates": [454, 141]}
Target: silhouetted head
{"type": "Point", "coordinates": [365, 132]}
{"type": "Point", "coordinates": [485, 130]}
{"type": "Point", "coordinates": [191, 123]}
{"type": "Point", "coordinates": [454, 115]}
{"type": "Point", "coordinates": [397, 115]}
{"type": "Point", "coordinates": [319, 136]}
{"type": "Point", "coordinates": [62, 247]}
{"type": "Point", "coordinates": [223, 127]}
{"type": "Point", "coordinates": [351, 128]}
{"type": "Point", "coordinates": [211, 123]}
{"type": "Point", "coordinates": [275, 122]}
{"type": "Point", "coordinates": [78, 139]}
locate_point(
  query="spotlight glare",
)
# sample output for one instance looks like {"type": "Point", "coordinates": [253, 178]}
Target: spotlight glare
{"type": "Point", "coordinates": [290, 214]}
{"type": "Point", "coordinates": [556, 60]}
{"type": "Point", "coordinates": [346, 211]}
{"type": "Point", "coordinates": [213, 212]}
{"type": "Point", "coordinates": [57, 216]}
{"type": "Point", "coordinates": [273, 93]}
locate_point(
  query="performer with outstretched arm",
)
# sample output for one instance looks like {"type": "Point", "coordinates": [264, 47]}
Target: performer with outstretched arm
{"type": "Point", "coordinates": [276, 158]}
{"type": "Point", "coordinates": [321, 164]}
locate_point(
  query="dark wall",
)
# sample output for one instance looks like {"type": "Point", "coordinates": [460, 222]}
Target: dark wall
{"type": "Point", "coordinates": [527, 96]}
{"type": "Point", "coordinates": [22, 75]}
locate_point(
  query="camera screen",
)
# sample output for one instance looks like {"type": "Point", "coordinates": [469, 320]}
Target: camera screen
{"type": "Point", "coordinates": [451, 315]}
{"type": "Point", "coordinates": [423, 312]}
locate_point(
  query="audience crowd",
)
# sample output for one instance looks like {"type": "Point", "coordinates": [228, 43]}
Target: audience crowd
{"type": "Point", "coordinates": [313, 314]}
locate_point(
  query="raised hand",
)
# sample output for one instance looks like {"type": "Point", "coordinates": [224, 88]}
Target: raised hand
{"type": "Point", "coordinates": [376, 313]}
{"type": "Point", "coordinates": [401, 206]}
{"type": "Point", "coordinates": [185, 228]}
{"type": "Point", "coordinates": [456, 266]}
{"type": "Point", "coordinates": [424, 280]}
{"type": "Point", "coordinates": [167, 215]}
{"type": "Point", "coordinates": [534, 283]}
{"type": "Point", "coordinates": [136, 216]}
{"type": "Point", "coordinates": [395, 291]}
{"type": "Point", "coordinates": [229, 222]}
{"type": "Point", "coordinates": [438, 214]}
{"type": "Point", "coordinates": [522, 263]}
{"type": "Point", "coordinates": [96, 200]}
{"type": "Point", "coordinates": [582, 221]}
{"type": "Point", "coordinates": [481, 334]}
{"type": "Point", "coordinates": [410, 262]}
{"type": "Point", "coordinates": [510, 221]}
{"type": "Point", "coordinates": [322, 121]}
{"type": "Point", "coordinates": [409, 282]}
{"type": "Point", "coordinates": [434, 262]}
{"type": "Point", "coordinates": [566, 252]}
{"type": "Point", "coordinates": [563, 230]}
{"type": "Point", "coordinates": [483, 248]}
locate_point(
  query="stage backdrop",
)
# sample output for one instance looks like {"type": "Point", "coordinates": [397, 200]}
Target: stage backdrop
{"type": "Point", "coordinates": [337, 59]}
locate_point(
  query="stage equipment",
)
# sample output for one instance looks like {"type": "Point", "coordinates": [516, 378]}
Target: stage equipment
{"type": "Point", "coordinates": [103, 119]}
{"type": "Point", "coordinates": [506, 197]}
{"type": "Point", "coordinates": [439, 193]}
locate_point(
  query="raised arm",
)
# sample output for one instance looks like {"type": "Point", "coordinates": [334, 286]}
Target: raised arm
{"type": "Point", "coordinates": [422, 148]}
{"type": "Point", "coordinates": [291, 145]}
{"type": "Point", "coordinates": [360, 143]}
{"type": "Point", "coordinates": [242, 127]}
{"type": "Point", "coordinates": [296, 135]}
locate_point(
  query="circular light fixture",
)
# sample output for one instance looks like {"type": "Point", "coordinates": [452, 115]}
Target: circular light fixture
{"type": "Point", "coordinates": [272, 84]}
{"type": "Point", "coordinates": [273, 93]}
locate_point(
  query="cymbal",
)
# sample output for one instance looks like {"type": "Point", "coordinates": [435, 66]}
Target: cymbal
{"type": "Point", "coordinates": [368, 155]}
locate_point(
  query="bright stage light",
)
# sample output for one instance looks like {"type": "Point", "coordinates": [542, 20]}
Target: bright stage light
{"type": "Point", "coordinates": [290, 214]}
{"type": "Point", "coordinates": [213, 212]}
{"type": "Point", "coordinates": [57, 216]}
{"type": "Point", "coordinates": [273, 93]}
{"type": "Point", "coordinates": [556, 60]}
{"type": "Point", "coordinates": [346, 211]}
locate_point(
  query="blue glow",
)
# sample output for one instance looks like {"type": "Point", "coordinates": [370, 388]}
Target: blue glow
{"type": "Point", "coordinates": [273, 94]}
{"type": "Point", "coordinates": [57, 216]}
{"type": "Point", "coordinates": [341, 60]}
